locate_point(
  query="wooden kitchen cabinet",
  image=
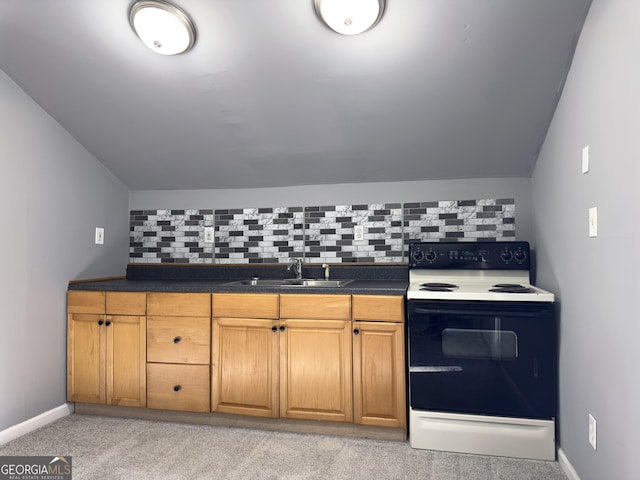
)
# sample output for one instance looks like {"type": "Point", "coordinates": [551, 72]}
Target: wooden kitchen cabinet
{"type": "Point", "coordinates": [379, 392]}
{"type": "Point", "coordinates": [178, 351]}
{"type": "Point", "coordinates": [327, 357]}
{"type": "Point", "coordinates": [283, 355]}
{"type": "Point", "coordinates": [106, 348]}
{"type": "Point", "coordinates": [315, 357]}
{"type": "Point", "coordinates": [245, 354]}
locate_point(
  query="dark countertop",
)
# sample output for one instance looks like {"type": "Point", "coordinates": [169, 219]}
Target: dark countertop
{"type": "Point", "coordinates": [368, 279]}
{"type": "Point", "coordinates": [365, 287]}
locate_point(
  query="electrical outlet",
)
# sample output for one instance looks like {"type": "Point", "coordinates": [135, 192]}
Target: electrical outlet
{"type": "Point", "coordinates": [99, 236]}
{"type": "Point", "coordinates": [358, 233]}
{"type": "Point", "coordinates": [592, 431]}
{"type": "Point", "coordinates": [593, 222]}
{"type": "Point", "coordinates": [208, 234]}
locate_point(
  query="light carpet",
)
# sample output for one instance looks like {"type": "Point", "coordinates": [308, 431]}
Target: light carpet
{"type": "Point", "coordinates": [114, 448]}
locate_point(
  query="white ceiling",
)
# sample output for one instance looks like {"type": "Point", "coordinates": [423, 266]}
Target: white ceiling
{"type": "Point", "coordinates": [269, 96]}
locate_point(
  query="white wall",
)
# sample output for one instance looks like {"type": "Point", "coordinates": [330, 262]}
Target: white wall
{"type": "Point", "coordinates": [596, 279]}
{"type": "Point", "coordinates": [53, 194]}
{"type": "Point", "coordinates": [353, 193]}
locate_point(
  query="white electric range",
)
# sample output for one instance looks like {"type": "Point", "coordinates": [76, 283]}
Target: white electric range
{"type": "Point", "coordinates": [481, 351]}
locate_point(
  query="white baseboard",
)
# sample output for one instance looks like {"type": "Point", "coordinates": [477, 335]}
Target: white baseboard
{"type": "Point", "coordinates": [566, 466]}
{"type": "Point", "coordinates": [34, 423]}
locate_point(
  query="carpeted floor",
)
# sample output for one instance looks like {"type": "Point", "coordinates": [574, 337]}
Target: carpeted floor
{"type": "Point", "coordinates": [113, 448]}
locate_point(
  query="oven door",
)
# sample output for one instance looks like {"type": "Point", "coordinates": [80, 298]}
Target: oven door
{"type": "Point", "coordinates": [487, 358]}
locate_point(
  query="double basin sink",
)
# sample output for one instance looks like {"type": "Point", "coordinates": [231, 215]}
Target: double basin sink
{"type": "Point", "coordinates": [289, 282]}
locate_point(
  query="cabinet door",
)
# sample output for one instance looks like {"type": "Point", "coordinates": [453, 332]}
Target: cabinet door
{"type": "Point", "coordinates": [379, 374]}
{"type": "Point", "coordinates": [245, 366]}
{"type": "Point", "coordinates": [86, 358]}
{"type": "Point", "coordinates": [126, 357]}
{"type": "Point", "coordinates": [315, 370]}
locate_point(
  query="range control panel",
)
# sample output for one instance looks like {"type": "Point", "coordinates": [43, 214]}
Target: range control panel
{"type": "Point", "coordinates": [470, 255]}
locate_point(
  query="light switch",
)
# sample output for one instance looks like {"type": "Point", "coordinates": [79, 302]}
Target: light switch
{"type": "Point", "coordinates": [585, 159]}
{"type": "Point", "coordinates": [99, 235]}
{"type": "Point", "coordinates": [593, 222]}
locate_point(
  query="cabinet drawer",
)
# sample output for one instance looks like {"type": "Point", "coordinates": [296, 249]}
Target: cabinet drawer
{"type": "Point", "coordinates": [331, 307]}
{"type": "Point", "coordinates": [85, 302]}
{"type": "Point", "coordinates": [245, 305]}
{"type": "Point", "coordinates": [179, 304]}
{"type": "Point", "coordinates": [126, 303]}
{"type": "Point", "coordinates": [178, 387]}
{"type": "Point", "coordinates": [383, 308]}
{"type": "Point", "coordinates": [179, 340]}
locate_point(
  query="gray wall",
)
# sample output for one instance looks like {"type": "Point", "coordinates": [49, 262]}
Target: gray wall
{"type": "Point", "coordinates": [53, 194]}
{"type": "Point", "coordinates": [388, 192]}
{"type": "Point", "coordinates": [596, 279]}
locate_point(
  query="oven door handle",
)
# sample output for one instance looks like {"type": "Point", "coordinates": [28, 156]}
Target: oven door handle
{"type": "Point", "coordinates": [492, 313]}
{"type": "Point", "coordinates": [435, 369]}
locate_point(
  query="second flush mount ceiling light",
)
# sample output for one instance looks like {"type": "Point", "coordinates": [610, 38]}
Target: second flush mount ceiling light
{"type": "Point", "coordinates": [349, 17]}
{"type": "Point", "coordinates": [163, 27]}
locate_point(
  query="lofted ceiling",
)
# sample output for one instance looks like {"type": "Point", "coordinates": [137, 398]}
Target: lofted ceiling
{"type": "Point", "coordinates": [269, 96]}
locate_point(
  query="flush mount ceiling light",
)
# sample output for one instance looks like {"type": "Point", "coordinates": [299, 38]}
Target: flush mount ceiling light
{"type": "Point", "coordinates": [163, 27]}
{"type": "Point", "coordinates": [349, 17]}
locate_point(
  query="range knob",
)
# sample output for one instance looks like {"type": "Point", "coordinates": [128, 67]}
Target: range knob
{"type": "Point", "coordinates": [418, 255]}
{"type": "Point", "coordinates": [506, 255]}
{"type": "Point", "coordinates": [520, 255]}
{"type": "Point", "coordinates": [430, 255]}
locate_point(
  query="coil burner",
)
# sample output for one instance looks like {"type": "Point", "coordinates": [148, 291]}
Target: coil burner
{"type": "Point", "coordinates": [510, 288]}
{"type": "Point", "coordinates": [438, 287]}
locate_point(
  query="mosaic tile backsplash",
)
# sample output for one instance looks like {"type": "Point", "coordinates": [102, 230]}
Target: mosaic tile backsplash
{"type": "Point", "coordinates": [329, 233]}
{"type": "Point", "coordinates": [319, 234]}
{"type": "Point", "coordinates": [259, 235]}
{"type": "Point", "coordinates": [169, 236]}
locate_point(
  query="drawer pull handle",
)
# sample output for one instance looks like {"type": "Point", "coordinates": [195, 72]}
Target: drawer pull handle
{"type": "Point", "coordinates": [274, 329]}
{"type": "Point", "coordinates": [356, 332]}
{"type": "Point", "coordinates": [177, 388]}
{"type": "Point", "coordinates": [100, 322]}
{"type": "Point", "coordinates": [177, 339]}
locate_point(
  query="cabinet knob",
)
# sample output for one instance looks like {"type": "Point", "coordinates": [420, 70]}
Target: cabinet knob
{"type": "Point", "coordinates": [282, 328]}
{"type": "Point", "coordinates": [356, 332]}
{"type": "Point", "coordinates": [100, 322]}
{"type": "Point", "coordinates": [274, 329]}
{"type": "Point", "coordinates": [177, 388]}
{"type": "Point", "coordinates": [177, 339]}
{"type": "Point", "coordinates": [107, 323]}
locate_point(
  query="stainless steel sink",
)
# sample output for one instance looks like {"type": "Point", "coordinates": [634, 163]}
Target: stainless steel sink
{"type": "Point", "coordinates": [325, 283]}
{"type": "Point", "coordinates": [289, 282]}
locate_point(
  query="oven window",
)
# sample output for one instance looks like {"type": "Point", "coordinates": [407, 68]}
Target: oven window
{"type": "Point", "coordinates": [479, 344]}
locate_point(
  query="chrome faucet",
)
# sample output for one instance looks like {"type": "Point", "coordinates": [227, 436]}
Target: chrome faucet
{"type": "Point", "coordinates": [295, 264]}
{"type": "Point", "coordinates": [327, 270]}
